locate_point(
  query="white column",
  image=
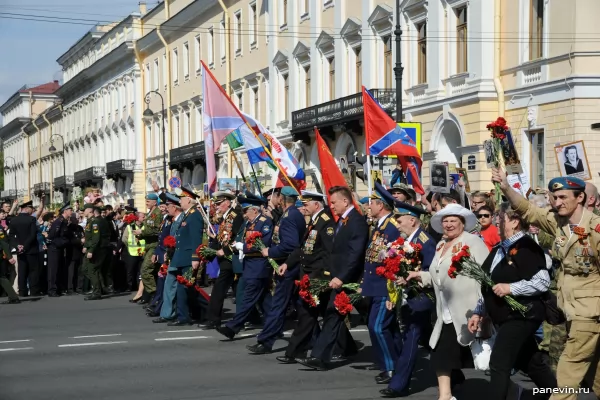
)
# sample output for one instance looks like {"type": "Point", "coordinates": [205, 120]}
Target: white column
{"type": "Point", "coordinates": [136, 150]}
{"type": "Point", "coordinates": [368, 49]}
{"type": "Point", "coordinates": [273, 21]}
{"type": "Point", "coordinates": [341, 63]}
{"type": "Point", "coordinates": [316, 66]}
{"type": "Point", "coordinates": [435, 48]}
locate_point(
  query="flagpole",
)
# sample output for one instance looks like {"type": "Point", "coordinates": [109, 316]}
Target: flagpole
{"type": "Point", "coordinates": [255, 177]}
{"type": "Point", "coordinates": [247, 124]}
{"type": "Point", "coordinates": [237, 162]}
{"type": "Point", "coordinates": [367, 130]}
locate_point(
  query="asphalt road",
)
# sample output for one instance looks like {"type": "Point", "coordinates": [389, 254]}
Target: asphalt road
{"type": "Point", "coordinates": [66, 348]}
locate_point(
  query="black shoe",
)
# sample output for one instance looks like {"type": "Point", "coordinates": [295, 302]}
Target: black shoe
{"type": "Point", "coordinates": [258, 348]}
{"type": "Point", "coordinates": [88, 293]}
{"type": "Point", "coordinates": [160, 320]}
{"type": "Point", "coordinates": [93, 297]}
{"type": "Point", "coordinates": [135, 300]}
{"type": "Point", "coordinates": [338, 358]}
{"type": "Point", "coordinates": [142, 302]}
{"type": "Point", "coordinates": [313, 363]}
{"type": "Point", "coordinates": [286, 360]}
{"type": "Point", "coordinates": [53, 295]}
{"type": "Point", "coordinates": [226, 331]}
{"type": "Point", "coordinates": [369, 367]}
{"type": "Point", "coordinates": [110, 290]}
{"type": "Point", "coordinates": [179, 323]}
{"type": "Point", "coordinates": [13, 301]}
{"type": "Point", "coordinates": [153, 314]}
{"type": "Point", "coordinates": [384, 378]}
{"type": "Point", "coordinates": [69, 293]}
{"type": "Point", "coordinates": [391, 393]}
{"type": "Point", "coordinates": [249, 326]}
{"type": "Point", "coordinates": [209, 325]}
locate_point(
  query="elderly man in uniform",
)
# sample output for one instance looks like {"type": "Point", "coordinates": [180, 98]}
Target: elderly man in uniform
{"type": "Point", "coordinates": [290, 232]}
{"type": "Point", "coordinates": [24, 244]}
{"type": "Point", "coordinates": [58, 239]}
{"type": "Point", "coordinates": [149, 233]}
{"type": "Point", "coordinates": [382, 322]}
{"type": "Point", "coordinates": [577, 247]}
{"type": "Point", "coordinates": [257, 270]}
{"type": "Point", "coordinates": [313, 259]}
{"type": "Point", "coordinates": [416, 309]}
{"type": "Point", "coordinates": [230, 224]}
{"type": "Point", "coordinates": [273, 210]}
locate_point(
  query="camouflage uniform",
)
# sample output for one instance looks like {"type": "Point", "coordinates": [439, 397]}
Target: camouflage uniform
{"type": "Point", "coordinates": [150, 232]}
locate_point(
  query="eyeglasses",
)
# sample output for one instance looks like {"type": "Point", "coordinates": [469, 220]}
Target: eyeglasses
{"type": "Point", "coordinates": [479, 216]}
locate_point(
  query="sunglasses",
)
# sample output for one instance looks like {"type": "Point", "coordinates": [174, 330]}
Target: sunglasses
{"type": "Point", "coordinates": [479, 216]}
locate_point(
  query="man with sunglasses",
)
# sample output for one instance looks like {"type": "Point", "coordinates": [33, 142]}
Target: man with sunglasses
{"type": "Point", "coordinates": [489, 232]}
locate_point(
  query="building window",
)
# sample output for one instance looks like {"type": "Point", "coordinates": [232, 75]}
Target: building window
{"type": "Point", "coordinates": [238, 33]}
{"type": "Point", "coordinates": [222, 41]}
{"type": "Point", "coordinates": [164, 71]}
{"type": "Point", "coordinates": [254, 27]}
{"type": "Point", "coordinates": [307, 85]}
{"type": "Point", "coordinates": [197, 57]}
{"type": "Point", "coordinates": [155, 83]}
{"type": "Point", "coordinates": [422, 48]}
{"type": "Point", "coordinates": [211, 46]}
{"type": "Point", "coordinates": [358, 53]}
{"type": "Point", "coordinates": [175, 138]}
{"type": "Point", "coordinates": [286, 95]}
{"type": "Point", "coordinates": [186, 60]}
{"type": "Point", "coordinates": [331, 62]}
{"type": "Point", "coordinates": [306, 8]}
{"type": "Point", "coordinates": [461, 40]}
{"type": "Point", "coordinates": [186, 128]}
{"type": "Point", "coordinates": [256, 103]}
{"type": "Point", "coordinates": [147, 77]}
{"type": "Point", "coordinates": [387, 62]}
{"type": "Point", "coordinates": [285, 7]}
{"type": "Point", "coordinates": [175, 66]}
{"type": "Point", "coordinates": [536, 29]}
{"type": "Point", "coordinates": [240, 97]}
{"type": "Point", "coordinates": [537, 159]}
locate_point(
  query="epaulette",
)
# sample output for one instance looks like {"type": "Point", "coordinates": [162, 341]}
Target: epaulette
{"type": "Point", "coordinates": [325, 217]}
{"type": "Point", "coordinates": [192, 211]}
{"type": "Point", "coordinates": [233, 214]}
{"type": "Point", "coordinates": [285, 215]}
{"type": "Point", "coordinates": [394, 222]}
{"type": "Point", "coordinates": [263, 219]}
{"type": "Point", "coordinates": [385, 224]}
{"type": "Point", "coordinates": [423, 237]}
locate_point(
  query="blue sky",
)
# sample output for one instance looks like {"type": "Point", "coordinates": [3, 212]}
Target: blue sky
{"type": "Point", "coordinates": [30, 48]}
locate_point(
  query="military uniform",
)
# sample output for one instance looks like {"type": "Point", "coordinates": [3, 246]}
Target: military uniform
{"type": "Point", "coordinates": [93, 264]}
{"type": "Point", "coordinates": [578, 282]}
{"type": "Point", "coordinates": [58, 239]}
{"type": "Point", "coordinates": [24, 232]}
{"type": "Point", "coordinates": [5, 255]}
{"type": "Point", "coordinates": [150, 233]}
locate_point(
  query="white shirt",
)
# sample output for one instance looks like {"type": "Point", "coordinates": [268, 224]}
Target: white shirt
{"type": "Point", "coordinates": [347, 211]}
{"type": "Point", "coordinates": [226, 213]}
{"type": "Point", "coordinates": [314, 217]}
{"type": "Point", "coordinates": [381, 220]}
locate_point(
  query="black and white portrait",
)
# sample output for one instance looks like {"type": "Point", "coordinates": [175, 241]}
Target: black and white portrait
{"type": "Point", "coordinates": [488, 147]}
{"type": "Point", "coordinates": [440, 178]}
{"type": "Point", "coordinates": [572, 160]}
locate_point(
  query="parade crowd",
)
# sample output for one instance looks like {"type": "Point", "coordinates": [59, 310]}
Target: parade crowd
{"type": "Point", "coordinates": [308, 259]}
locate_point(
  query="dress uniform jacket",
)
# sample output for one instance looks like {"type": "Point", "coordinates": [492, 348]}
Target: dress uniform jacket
{"type": "Point", "coordinates": [165, 230]}
{"type": "Point", "coordinates": [23, 231]}
{"type": "Point", "coordinates": [420, 301]}
{"type": "Point", "coordinates": [189, 237]}
{"type": "Point", "coordinates": [229, 227]}
{"type": "Point", "coordinates": [58, 235]}
{"type": "Point", "coordinates": [314, 254]}
{"type": "Point", "coordinates": [291, 231]}
{"type": "Point", "coordinates": [152, 228]}
{"type": "Point", "coordinates": [374, 285]}
{"type": "Point", "coordinates": [255, 265]}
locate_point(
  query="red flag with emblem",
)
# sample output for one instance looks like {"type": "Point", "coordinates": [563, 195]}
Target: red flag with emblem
{"type": "Point", "coordinates": [332, 176]}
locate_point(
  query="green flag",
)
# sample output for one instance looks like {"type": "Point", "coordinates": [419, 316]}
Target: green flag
{"type": "Point", "coordinates": [234, 140]}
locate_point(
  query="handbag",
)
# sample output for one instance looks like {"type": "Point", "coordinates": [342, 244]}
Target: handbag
{"type": "Point", "coordinates": [554, 315]}
{"type": "Point", "coordinates": [481, 346]}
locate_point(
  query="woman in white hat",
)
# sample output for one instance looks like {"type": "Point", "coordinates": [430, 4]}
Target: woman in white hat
{"type": "Point", "coordinates": [451, 338]}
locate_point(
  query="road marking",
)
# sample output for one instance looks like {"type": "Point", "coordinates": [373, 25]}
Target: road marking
{"type": "Point", "coordinates": [182, 338]}
{"type": "Point", "coordinates": [183, 330]}
{"type": "Point", "coordinates": [93, 336]}
{"type": "Point", "coordinates": [88, 344]}
{"type": "Point", "coordinates": [359, 330]}
{"type": "Point", "coordinates": [16, 341]}
{"type": "Point", "coordinates": [17, 349]}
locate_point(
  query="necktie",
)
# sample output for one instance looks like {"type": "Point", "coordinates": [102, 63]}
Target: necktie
{"type": "Point", "coordinates": [339, 225]}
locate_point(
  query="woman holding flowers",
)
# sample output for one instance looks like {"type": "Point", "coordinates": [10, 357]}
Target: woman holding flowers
{"type": "Point", "coordinates": [518, 268]}
{"type": "Point", "coordinates": [455, 298]}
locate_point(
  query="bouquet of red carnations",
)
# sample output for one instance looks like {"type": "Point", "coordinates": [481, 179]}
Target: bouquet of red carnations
{"type": "Point", "coordinates": [206, 254]}
{"type": "Point", "coordinates": [253, 239]}
{"type": "Point", "coordinates": [498, 130]}
{"type": "Point", "coordinates": [463, 264]}
{"type": "Point", "coordinates": [311, 289]}
{"type": "Point", "coordinates": [130, 219]}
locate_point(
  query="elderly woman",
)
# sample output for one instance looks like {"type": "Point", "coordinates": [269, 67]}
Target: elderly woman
{"type": "Point", "coordinates": [518, 267]}
{"type": "Point", "coordinates": [455, 298]}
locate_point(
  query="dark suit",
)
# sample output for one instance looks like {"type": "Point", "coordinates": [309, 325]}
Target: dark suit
{"type": "Point", "coordinates": [416, 319]}
{"type": "Point", "coordinates": [159, 252]}
{"type": "Point", "coordinates": [347, 261]}
{"type": "Point", "coordinates": [23, 231]}
{"type": "Point", "coordinates": [313, 259]}
{"type": "Point", "coordinates": [58, 239]}
{"type": "Point", "coordinates": [291, 231]}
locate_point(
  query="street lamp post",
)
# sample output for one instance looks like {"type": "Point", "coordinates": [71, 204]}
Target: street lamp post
{"type": "Point", "coordinates": [149, 114]}
{"type": "Point", "coordinates": [15, 168]}
{"type": "Point", "coordinates": [52, 149]}
{"type": "Point", "coordinates": [398, 69]}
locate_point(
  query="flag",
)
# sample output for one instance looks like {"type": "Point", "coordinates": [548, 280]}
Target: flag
{"type": "Point", "coordinates": [332, 176]}
{"type": "Point", "coordinates": [221, 117]}
{"type": "Point", "coordinates": [385, 138]}
{"type": "Point", "coordinates": [234, 140]}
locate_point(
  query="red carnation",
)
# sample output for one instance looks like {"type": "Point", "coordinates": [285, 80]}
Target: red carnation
{"type": "Point", "coordinates": [170, 242]}
{"type": "Point", "coordinates": [452, 271]}
{"type": "Point", "coordinates": [129, 219]}
{"type": "Point", "coordinates": [252, 237]}
{"type": "Point", "coordinates": [380, 271]}
{"type": "Point", "coordinates": [342, 303]}
{"type": "Point", "coordinates": [181, 279]}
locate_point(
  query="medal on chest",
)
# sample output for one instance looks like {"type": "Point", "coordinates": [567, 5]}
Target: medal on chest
{"type": "Point", "coordinates": [309, 245]}
{"type": "Point", "coordinates": [378, 243]}
{"type": "Point", "coordinates": [225, 228]}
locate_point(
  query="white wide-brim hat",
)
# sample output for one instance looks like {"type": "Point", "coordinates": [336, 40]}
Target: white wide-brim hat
{"type": "Point", "coordinates": [456, 210]}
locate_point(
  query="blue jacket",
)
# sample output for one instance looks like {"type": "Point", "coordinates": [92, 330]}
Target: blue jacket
{"type": "Point", "coordinates": [165, 230]}
{"type": "Point", "coordinates": [189, 237]}
{"type": "Point", "coordinates": [255, 265]}
{"type": "Point", "coordinates": [291, 231]}
{"type": "Point", "coordinates": [421, 302]}
{"type": "Point", "coordinates": [237, 264]}
{"type": "Point", "coordinates": [374, 285]}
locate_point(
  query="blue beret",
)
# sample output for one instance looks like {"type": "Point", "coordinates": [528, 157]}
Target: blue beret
{"type": "Point", "coordinates": [246, 202]}
{"type": "Point", "coordinates": [406, 209]}
{"type": "Point", "coordinates": [152, 196]}
{"type": "Point", "coordinates": [381, 193]}
{"type": "Point", "coordinates": [364, 200]}
{"type": "Point", "coordinates": [289, 191]}
{"type": "Point", "coordinates": [566, 183]}
{"type": "Point", "coordinates": [299, 203]}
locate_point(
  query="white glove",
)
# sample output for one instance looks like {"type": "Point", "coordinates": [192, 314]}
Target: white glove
{"type": "Point", "coordinates": [239, 246]}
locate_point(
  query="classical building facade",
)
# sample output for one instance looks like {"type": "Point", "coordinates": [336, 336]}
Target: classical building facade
{"type": "Point", "coordinates": [26, 105]}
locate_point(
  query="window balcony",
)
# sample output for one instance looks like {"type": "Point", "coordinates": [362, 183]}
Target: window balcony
{"type": "Point", "coordinates": [89, 176]}
{"type": "Point", "coordinates": [344, 109]}
{"type": "Point", "coordinates": [119, 168]}
{"type": "Point", "coordinates": [42, 187]}
{"type": "Point", "coordinates": [61, 181]}
{"type": "Point", "coordinates": [190, 155]}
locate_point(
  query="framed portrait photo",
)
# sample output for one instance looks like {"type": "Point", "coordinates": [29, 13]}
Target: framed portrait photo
{"type": "Point", "coordinates": [572, 160]}
{"type": "Point", "coordinates": [440, 178]}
